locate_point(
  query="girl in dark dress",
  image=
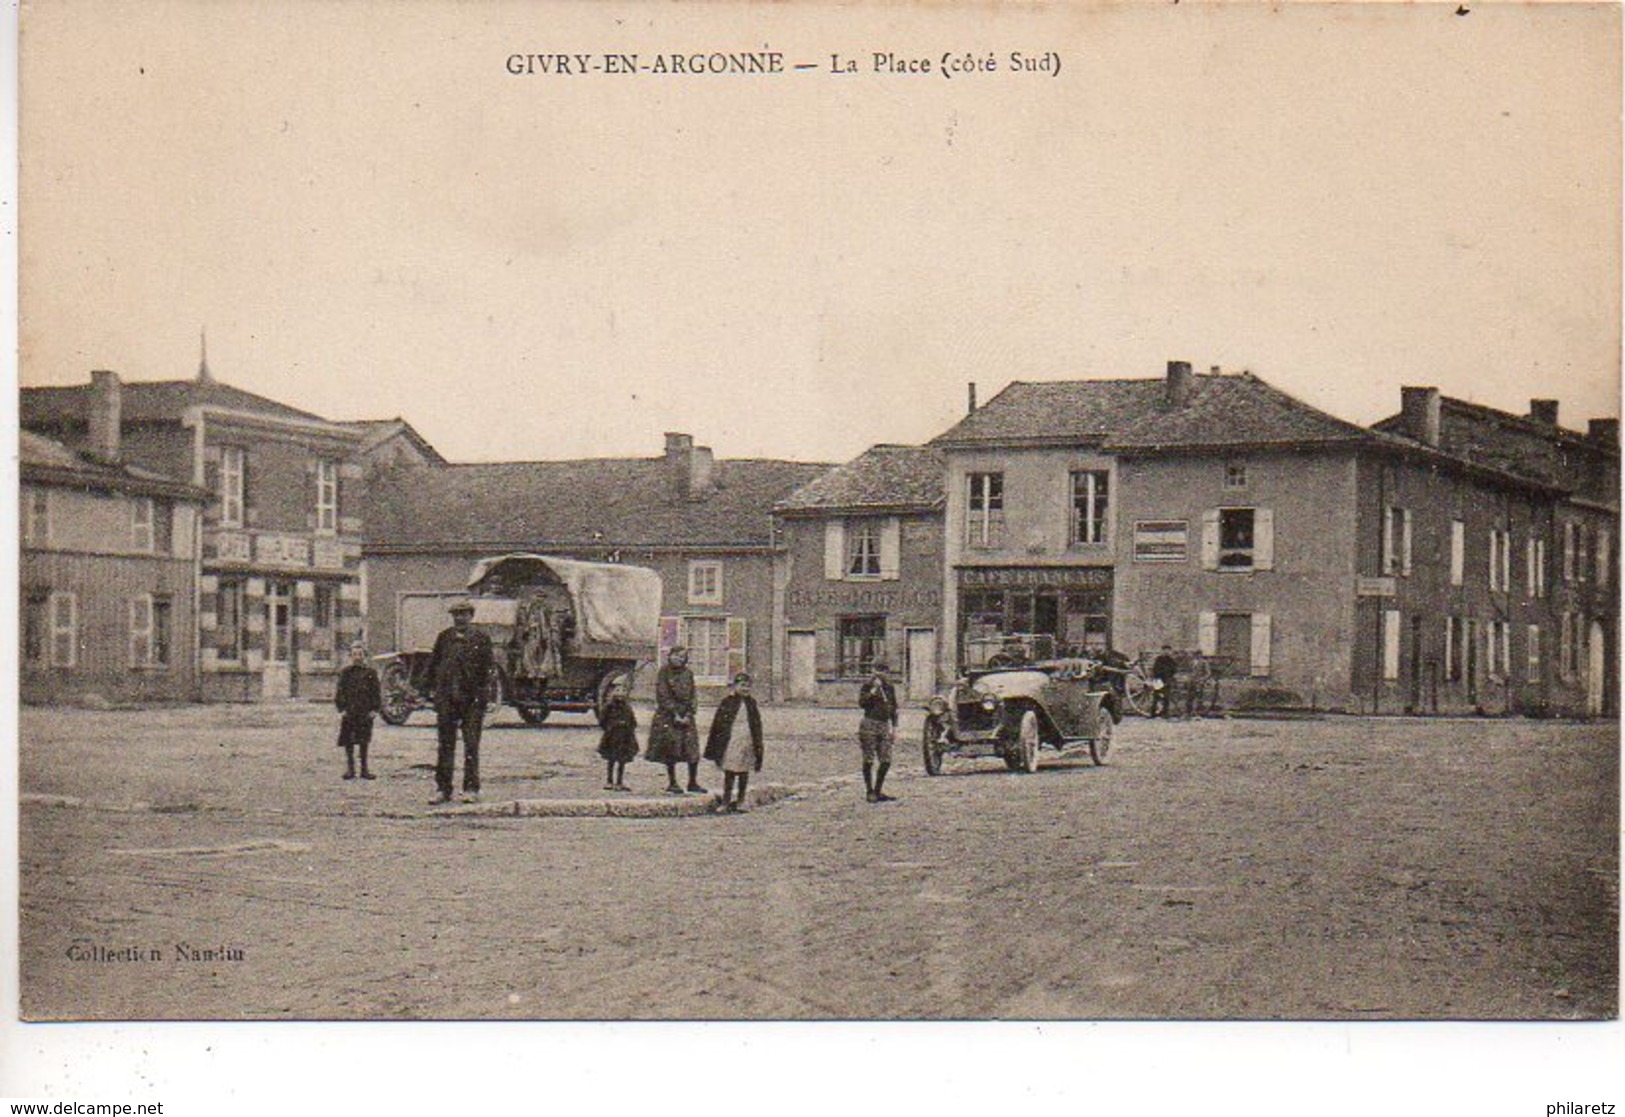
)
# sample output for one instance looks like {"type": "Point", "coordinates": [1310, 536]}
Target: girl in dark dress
{"type": "Point", "coordinates": [620, 740]}
{"type": "Point", "coordinates": [735, 744]}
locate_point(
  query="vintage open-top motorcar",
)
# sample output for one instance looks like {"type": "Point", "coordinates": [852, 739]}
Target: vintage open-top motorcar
{"type": "Point", "coordinates": [1013, 712]}
{"type": "Point", "coordinates": [564, 632]}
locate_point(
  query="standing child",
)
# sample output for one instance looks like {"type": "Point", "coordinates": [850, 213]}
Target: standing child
{"type": "Point", "coordinates": [620, 740]}
{"type": "Point", "coordinates": [358, 697]}
{"type": "Point", "coordinates": [737, 754]}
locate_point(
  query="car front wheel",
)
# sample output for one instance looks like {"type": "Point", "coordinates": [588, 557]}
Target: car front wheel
{"type": "Point", "coordinates": [1027, 741]}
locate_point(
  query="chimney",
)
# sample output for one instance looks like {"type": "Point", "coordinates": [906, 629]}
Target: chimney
{"type": "Point", "coordinates": [1177, 392]}
{"type": "Point", "coordinates": [688, 467]}
{"type": "Point", "coordinates": [1605, 431]}
{"type": "Point", "coordinates": [1543, 411]}
{"type": "Point", "coordinates": [106, 415]}
{"type": "Point", "coordinates": [1419, 410]}
{"type": "Point", "coordinates": [971, 402]}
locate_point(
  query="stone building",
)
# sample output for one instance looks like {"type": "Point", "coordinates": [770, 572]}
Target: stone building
{"type": "Point", "coordinates": [1498, 551]}
{"type": "Point", "coordinates": [706, 526]}
{"type": "Point", "coordinates": [280, 593]}
{"type": "Point", "coordinates": [109, 578]}
{"type": "Point", "coordinates": [860, 570]}
{"type": "Point", "coordinates": [1320, 562]}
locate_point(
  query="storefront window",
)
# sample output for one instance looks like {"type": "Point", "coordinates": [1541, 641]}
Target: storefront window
{"type": "Point", "coordinates": [863, 644]}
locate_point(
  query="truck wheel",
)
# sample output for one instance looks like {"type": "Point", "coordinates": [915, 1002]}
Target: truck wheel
{"type": "Point", "coordinates": [534, 715]}
{"type": "Point", "coordinates": [397, 688]}
{"type": "Point", "coordinates": [1027, 752]}
{"type": "Point", "coordinates": [928, 746]}
{"type": "Point", "coordinates": [1100, 744]}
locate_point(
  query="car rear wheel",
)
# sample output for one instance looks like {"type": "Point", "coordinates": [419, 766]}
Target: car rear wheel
{"type": "Point", "coordinates": [1027, 741]}
{"type": "Point", "coordinates": [932, 754]}
{"type": "Point", "coordinates": [1101, 743]}
{"type": "Point", "coordinates": [534, 714]}
{"type": "Point", "coordinates": [397, 705]}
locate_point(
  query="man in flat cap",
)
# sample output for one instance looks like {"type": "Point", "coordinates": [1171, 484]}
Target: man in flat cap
{"type": "Point", "coordinates": [457, 675]}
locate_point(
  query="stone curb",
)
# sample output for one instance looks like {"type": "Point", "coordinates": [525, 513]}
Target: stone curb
{"type": "Point", "coordinates": [689, 806]}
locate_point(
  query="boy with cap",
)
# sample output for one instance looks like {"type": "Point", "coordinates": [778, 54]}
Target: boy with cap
{"type": "Point", "coordinates": [876, 731]}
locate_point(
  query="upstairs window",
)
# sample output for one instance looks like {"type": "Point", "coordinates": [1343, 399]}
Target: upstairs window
{"type": "Point", "coordinates": [327, 496]}
{"type": "Point", "coordinates": [36, 515]}
{"type": "Point", "coordinates": [984, 520]}
{"type": "Point", "coordinates": [705, 583]}
{"type": "Point", "coordinates": [1396, 540]}
{"type": "Point", "coordinates": [1236, 538]}
{"type": "Point", "coordinates": [1235, 475]}
{"type": "Point", "coordinates": [1089, 505]}
{"type": "Point", "coordinates": [863, 548]}
{"type": "Point", "coordinates": [141, 535]}
{"type": "Point", "coordinates": [233, 488]}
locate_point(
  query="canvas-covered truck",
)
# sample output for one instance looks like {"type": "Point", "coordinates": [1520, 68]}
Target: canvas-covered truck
{"type": "Point", "coordinates": [564, 632]}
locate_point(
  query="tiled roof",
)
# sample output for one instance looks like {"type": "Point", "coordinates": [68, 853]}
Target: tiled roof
{"type": "Point", "coordinates": [1133, 415]}
{"type": "Point", "coordinates": [148, 401]}
{"type": "Point", "coordinates": [379, 431]}
{"type": "Point", "coordinates": [607, 502]}
{"type": "Point", "coordinates": [881, 477]}
{"type": "Point", "coordinates": [48, 461]}
{"type": "Point", "coordinates": [1518, 445]}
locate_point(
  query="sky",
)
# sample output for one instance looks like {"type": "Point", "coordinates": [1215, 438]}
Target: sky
{"type": "Point", "coordinates": [371, 217]}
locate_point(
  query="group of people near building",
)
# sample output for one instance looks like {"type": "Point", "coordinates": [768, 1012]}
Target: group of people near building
{"type": "Point", "coordinates": [462, 660]}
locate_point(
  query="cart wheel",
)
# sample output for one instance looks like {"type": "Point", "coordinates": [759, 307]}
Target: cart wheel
{"type": "Point", "coordinates": [928, 747]}
{"type": "Point", "coordinates": [1101, 743]}
{"type": "Point", "coordinates": [1028, 753]}
{"type": "Point", "coordinates": [398, 704]}
{"type": "Point", "coordinates": [534, 715]}
{"type": "Point", "coordinates": [1137, 693]}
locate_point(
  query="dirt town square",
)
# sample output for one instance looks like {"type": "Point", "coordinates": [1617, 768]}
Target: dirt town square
{"type": "Point", "coordinates": [209, 862]}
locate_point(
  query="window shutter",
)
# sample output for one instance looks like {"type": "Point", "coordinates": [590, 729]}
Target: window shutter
{"type": "Point", "coordinates": [1604, 556]}
{"type": "Point", "coordinates": [1263, 539]}
{"type": "Point", "coordinates": [140, 630]}
{"type": "Point", "coordinates": [825, 653]}
{"type": "Point", "coordinates": [1207, 633]}
{"type": "Point", "coordinates": [834, 550]}
{"type": "Point", "coordinates": [1390, 644]}
{"type": "Point", "coordinates": [1261, 643]}
{"type": "Point", "coordinates": [668, 636]}
{"type": "Point", "coordinates": [1495, 560]}
{"type": "Point", "coordinates": [1387, 534]}
{"type": "Point", "coordinates": [1458, 551]}
{"type": "Point", "coordinates": [1210, 539]}
{"type": "Point", "coordinates": [1529, 566]}
{"type": "Point", "coordinates": [736, 646]}
{"type": "Point", "coordinates": [1405, 541]}
{"type": "Point", "coordinates": [891, 548]}
{"type": "Point", "coordinates": [1450, 647]}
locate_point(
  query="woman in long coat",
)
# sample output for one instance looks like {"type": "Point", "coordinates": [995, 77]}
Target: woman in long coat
{"type": "Point", "coordinates": [673, 739]}
{"type": "Point", "coordinates": [730, 747]}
